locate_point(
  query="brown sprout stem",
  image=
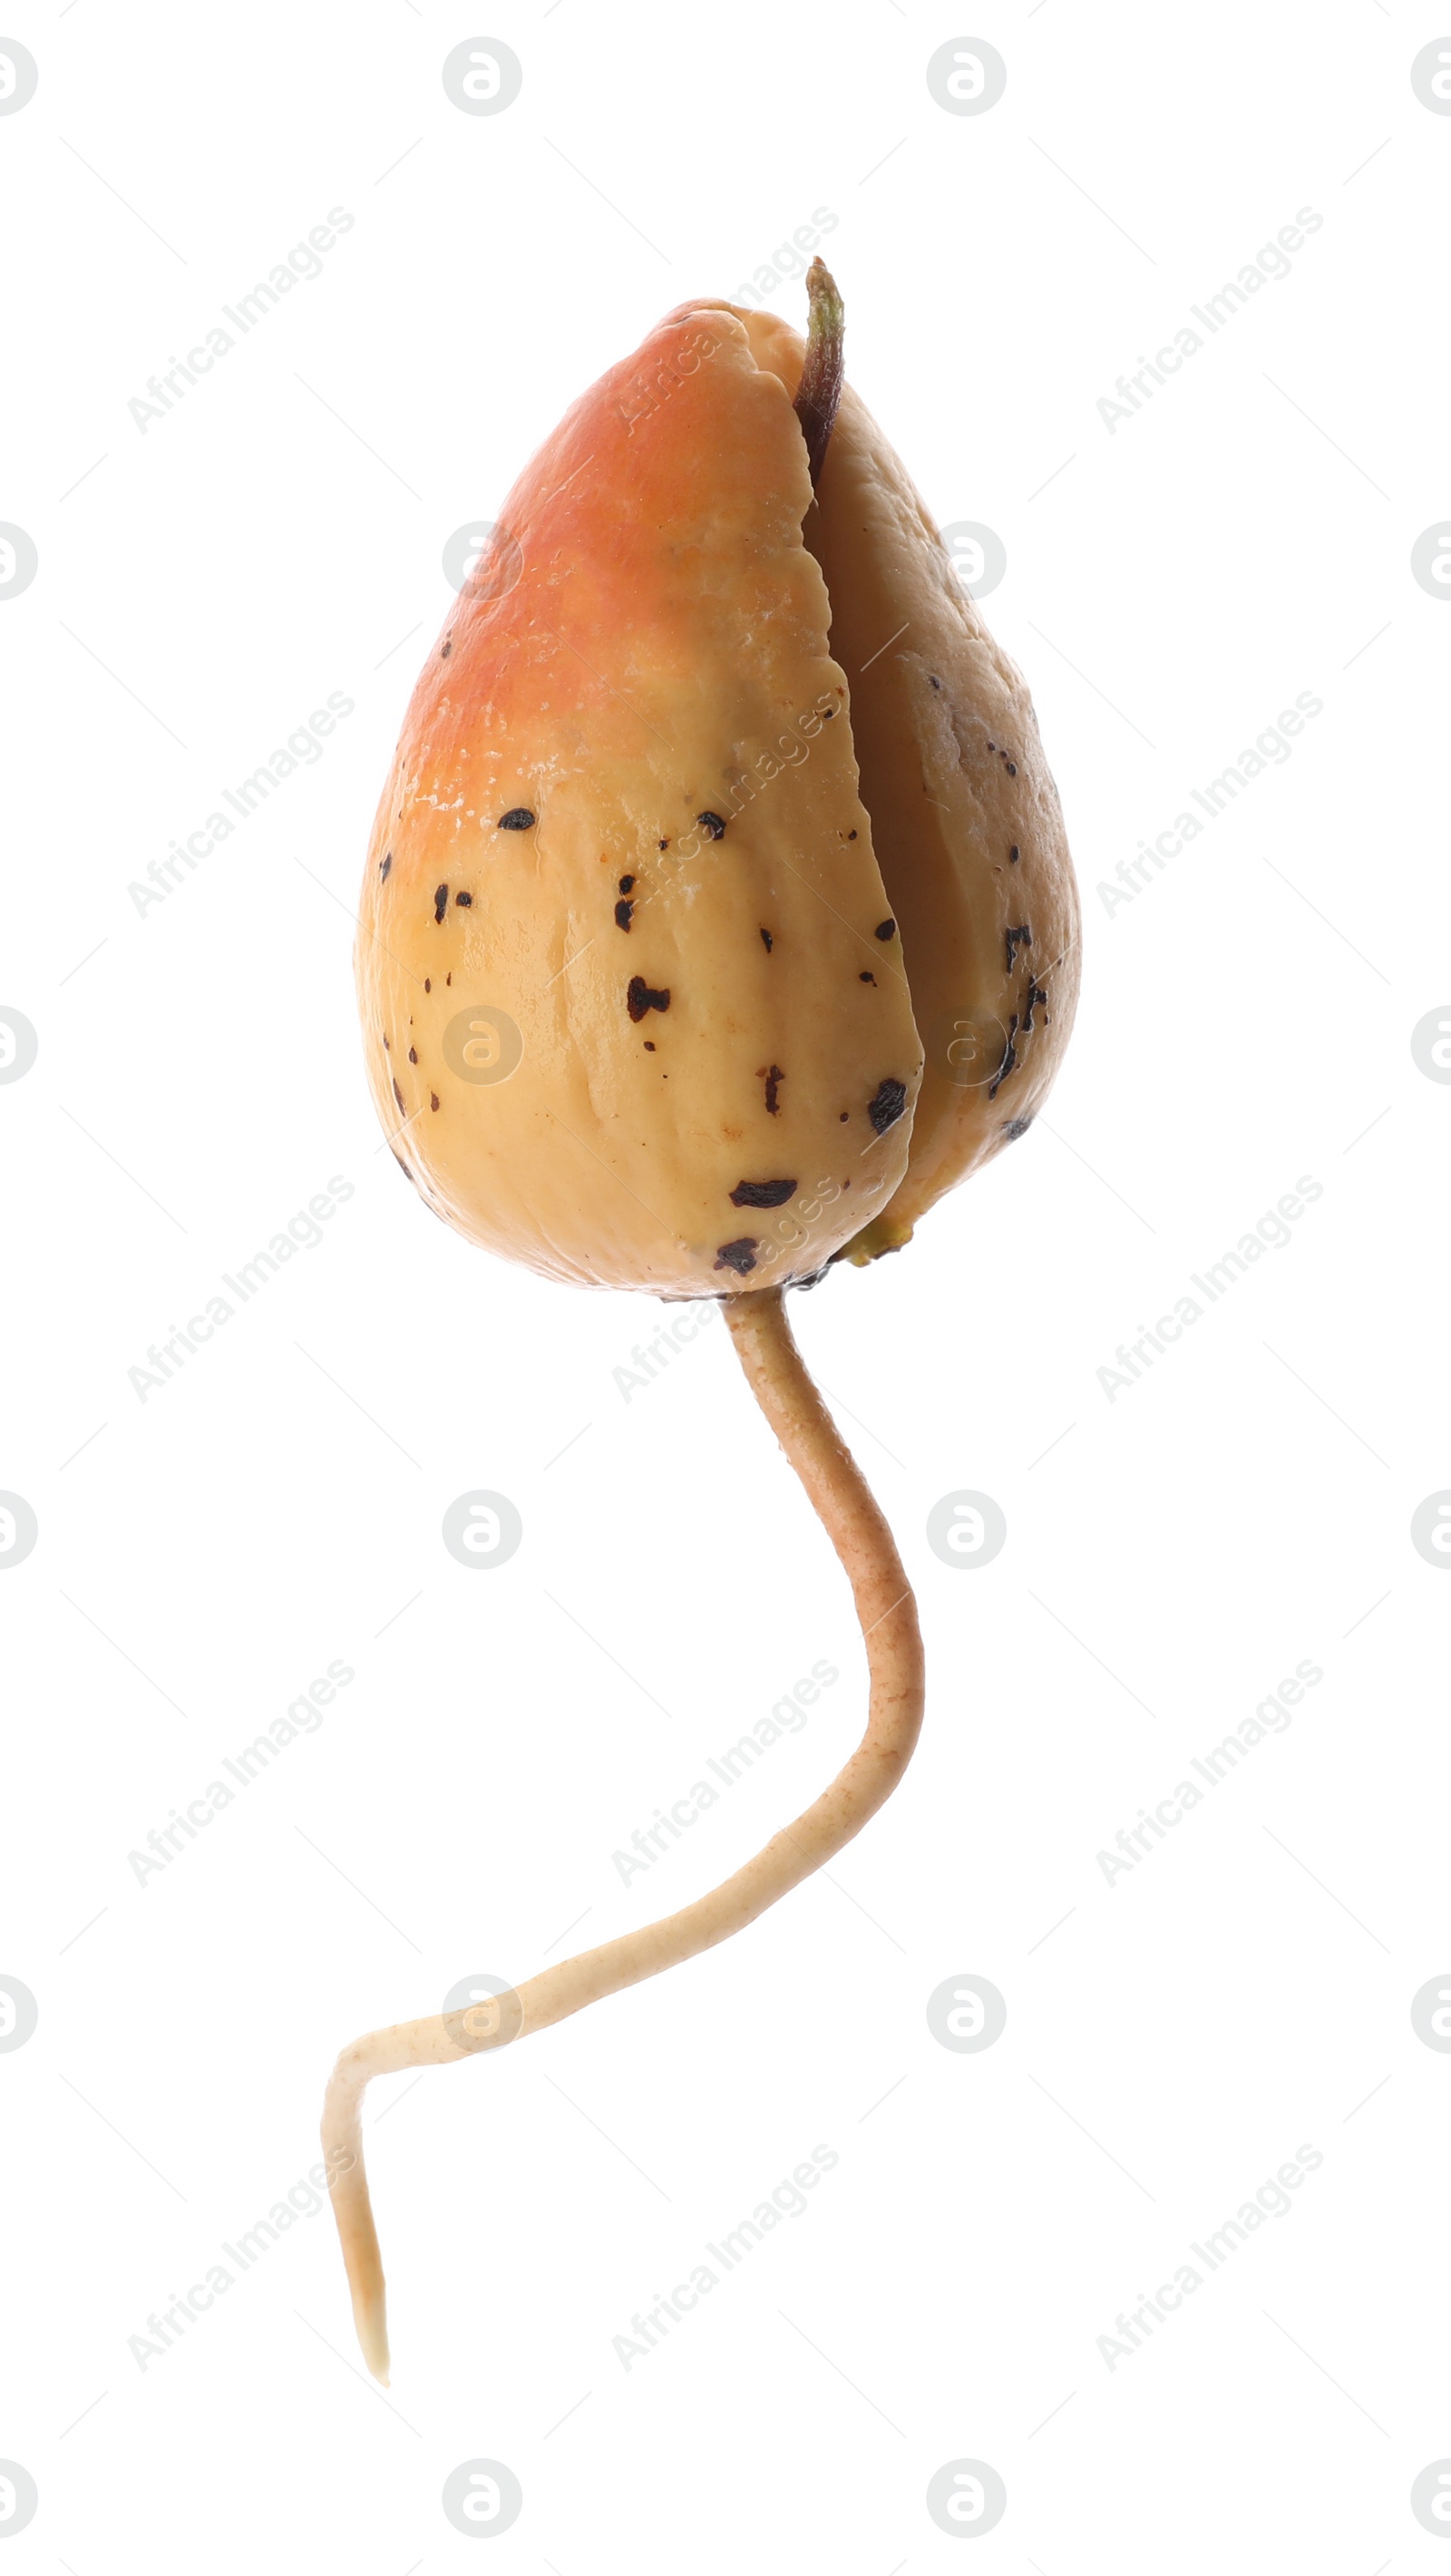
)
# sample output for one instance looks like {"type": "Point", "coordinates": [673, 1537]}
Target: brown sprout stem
{"type": "Point", "coordinates": [888, 1614]}
{"type": "Point", "coordinates": [819, 391]}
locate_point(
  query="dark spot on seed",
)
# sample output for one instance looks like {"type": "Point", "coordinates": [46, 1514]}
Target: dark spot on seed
{"type": "Point", "coordinates": [865, 978]}
{"type": "Point", "coordinates": [398, 1096]}
{"type": "Point", "coordinates": [385, 864]}
{"type": "Point", "coordinates": [1015, 854]}
{"type": "Point", "coordinates": [447, 649]}
{"type": "Point", "coordinates": [935, 683]}
{"type": "Point", "coordinates": [639, 998]}
{"type": "Point", "coordinates": [518, 819]}
{"type": "Point", "coordinates": [623, 909]}
{"type": "Point", "coordinates": [649, 1046]}
{"type": "Point", "coordinates": [1022, 938]}
{"type": "Point", "coordinates": [413, 1055]}
{"type": "Point", "coordinates": [1037, 994]}
{"type": "Point", "coordinates": [428, 987]}
{"type": "Point", "coordinates": [770, 942]}
{"type": "Point", "coordinates": [887, 1105]}
{"type": "Point", "coordinates": [763, 1194]}
{"type": "Point", "coordinates": [627, 885]}
{"type": "Point", "coordinates": [662, 845]}
{"type": "Point", "coordinates": [739, 1256]}
{"type": "Point", "coordinates": [1015, 1127]}
{"type": "Point", "coordinates": [387, 1042]}
{"type": "Point", "coordinates": [440, 902]}
{"type": "Point", "coordinates": [851, 836]}
{"type": "Point", "coordinates": [846, 1113]}
{"type": "Point", "coordinates": [773, 1078]}
{"type": "Point", "coordinates": [992, 746]}
{"type": "Point", "coordinates": [464, 899]}
{"type": "Point", "coordinates": [448, 979]}
{"type": "Point", "coordinates": [433, 1100]}
{"type": "Point", "coordinates": [886, 930]}
{"type": "Point", "coordinates": [1012, 769]}
{"type": "Point", "coordinates": [712, 824]}
{"type": "Point", "coordinates": [1010, 1058]}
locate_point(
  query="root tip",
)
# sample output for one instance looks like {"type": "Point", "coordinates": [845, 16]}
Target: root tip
{"type": "Point", "coordinates": [372, 2327]}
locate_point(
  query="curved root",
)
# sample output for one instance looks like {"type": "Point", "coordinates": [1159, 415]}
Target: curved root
{"type": "Point", "coordinates": [888, 1615]}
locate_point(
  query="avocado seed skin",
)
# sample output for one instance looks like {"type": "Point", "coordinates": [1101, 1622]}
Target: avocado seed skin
{"type": "Point", "coordinates": [781, 720]}
{"type": "Point", "coordinates": [639, 686]}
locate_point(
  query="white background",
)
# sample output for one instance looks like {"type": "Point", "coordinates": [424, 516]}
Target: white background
{"type": "Point", "coordinates": [1172, 2038]}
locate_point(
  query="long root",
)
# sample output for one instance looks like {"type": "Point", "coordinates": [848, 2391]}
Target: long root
{"type": "Point", "coordinates": [888, 1614]}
